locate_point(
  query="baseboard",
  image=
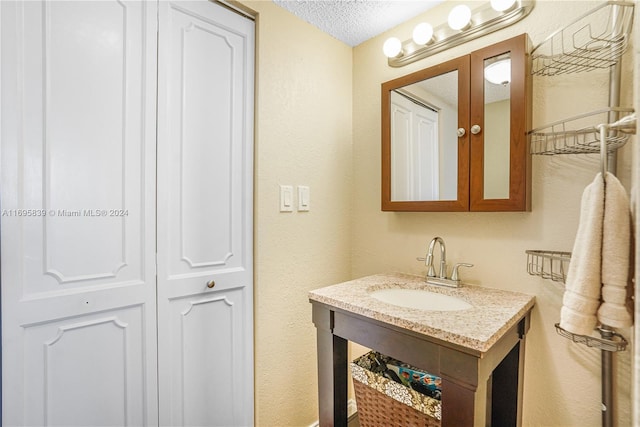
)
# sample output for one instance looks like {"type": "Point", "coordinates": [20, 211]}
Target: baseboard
{"type": "Point", "coordinates": [351, 408]}
{"type": "Point", "coordinates": [351, 411]}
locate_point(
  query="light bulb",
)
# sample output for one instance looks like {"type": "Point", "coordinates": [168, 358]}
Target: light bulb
{"type": "Point", "coordinates": [422, 33]}
{"type": "Point", "coordinates": [392, 47]}
{"type": "Point", "coordinates": [498, 73]}
{"type": "Point", "coordinates": [459, 17]}
{"type": "Point", "coordinates": [502, 5]}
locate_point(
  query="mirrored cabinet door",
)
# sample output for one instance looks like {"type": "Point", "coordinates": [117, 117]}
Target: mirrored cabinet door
{"type": "Point", "coordinates": [454, 135]}
{"type": "Point", "coordinates": [500, 117]}
{"type": "Point", "coordinates": [425, 142]}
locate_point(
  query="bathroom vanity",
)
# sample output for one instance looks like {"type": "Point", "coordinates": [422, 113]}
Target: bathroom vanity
{"type": "Point", "coordinates": [478, 351]}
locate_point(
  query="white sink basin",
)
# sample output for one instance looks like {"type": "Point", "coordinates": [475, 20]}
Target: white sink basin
{"type": "Point", "coordinates": [423, 300]}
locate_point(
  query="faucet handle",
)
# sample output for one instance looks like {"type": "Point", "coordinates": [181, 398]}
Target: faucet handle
{"type": "Point", "coordinates": [428, 261]}
{"type": "Point", "coordinates": [454, 275]}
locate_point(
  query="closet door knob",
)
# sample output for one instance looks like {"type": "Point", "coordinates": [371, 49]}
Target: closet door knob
{"type": "Point", "coordinates": [475, 129]}
{"type": "Point", "coordinates": [461, 132]}
{"type": "Point", "coordinates": [211, 284]}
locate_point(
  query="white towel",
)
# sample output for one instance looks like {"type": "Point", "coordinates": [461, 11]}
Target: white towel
{"type": "Point", "coordinates": [616, 309]}
{"type": "Point", "coordinates": [582, 288]}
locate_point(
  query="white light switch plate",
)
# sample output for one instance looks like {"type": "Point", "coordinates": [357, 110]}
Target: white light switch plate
{"type": "Point", "coordinates": [286, 198]}
{"type": "Point", "coordinates": [304, 198]}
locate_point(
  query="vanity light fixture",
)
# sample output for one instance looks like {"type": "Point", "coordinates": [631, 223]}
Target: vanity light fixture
{"type": "Point", "coordinates": [499, 72]}
{"type": "Point", "coordinates": [392, 48]}
{"type": "Point", "coordinates": [423, 34]}
{"type": "Point", "coordinates": [463, 25]}
{"type": "Point", "coordinates": [502, 5]}
{"type": "Point", "coordinates": [459, 17]}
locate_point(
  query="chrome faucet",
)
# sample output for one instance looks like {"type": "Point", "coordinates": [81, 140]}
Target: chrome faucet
{"type": "Point", "coordinates": [442, 279]}
{"type": "Point", "coordinates": [443, 258]}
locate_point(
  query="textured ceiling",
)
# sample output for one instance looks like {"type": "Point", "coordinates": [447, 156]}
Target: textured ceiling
{"type": "Point", "coordinates": [355, 21]}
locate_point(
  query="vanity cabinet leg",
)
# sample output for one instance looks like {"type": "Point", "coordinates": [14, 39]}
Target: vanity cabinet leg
{"type": "Point", "coordinates": [457, 405]}
{"type": "Point", "coordinates": [332, 379]}
{"type": "Point", "coordinates": [505, 390]}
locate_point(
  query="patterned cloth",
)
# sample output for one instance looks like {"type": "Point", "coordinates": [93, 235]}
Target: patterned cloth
{"type": "Point", "coordinates": [373, 368]}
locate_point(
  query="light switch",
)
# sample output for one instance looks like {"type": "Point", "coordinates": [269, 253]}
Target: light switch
{"type": "Point", "coordinates": [286, 198]}
{"type": "Point", "coordinates": [304, 201]}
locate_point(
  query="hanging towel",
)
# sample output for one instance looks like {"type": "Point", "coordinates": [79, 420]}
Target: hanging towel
{"type": "Point", "coordinates": [582, 288]}
{"type": "Point", "coordinates": [616, 309]}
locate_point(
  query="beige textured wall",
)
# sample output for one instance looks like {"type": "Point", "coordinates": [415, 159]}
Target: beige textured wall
{"type": "Point", "coordinates": [562, 379]}
{"type": "Point", "coordinates": [303, 137]}
{"type": "Point", "coordinates": [318, 124]}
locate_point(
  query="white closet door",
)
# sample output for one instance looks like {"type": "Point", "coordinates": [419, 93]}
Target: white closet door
{"type": "Point", "coordinates": [78, 213]}
{"type": "Point", "coordinates": [205, 152]}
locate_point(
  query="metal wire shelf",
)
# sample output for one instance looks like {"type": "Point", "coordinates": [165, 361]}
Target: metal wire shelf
{"type": "Point", "coordinates": [595, 40]}
{"type": "Point", "coordinates": [578, 134]}
{"type": "Point", "coordinates": [616, 343]}
{"type": "Point", "coordinates": [551, 265]}
{"type": "Point", "coordinates": [554, 265]}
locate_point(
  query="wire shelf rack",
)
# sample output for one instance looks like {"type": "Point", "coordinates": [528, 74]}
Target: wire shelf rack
{"type": "Point", "coordinates": [551, 265]}
{"type": "Point", "coordinates": [616, 343]}
{"type": "Point", "coordinates": [577, 134]}
{"type": "Point", "coordinates": [595, 40]}
{"type": "Point", "coordinates": [554, 265]}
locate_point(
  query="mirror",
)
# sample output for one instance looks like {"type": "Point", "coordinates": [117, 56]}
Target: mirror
{"type": "Point", "coordinates": [454, 135]}
{"type": "Point", "coordinates": [497, 119]}
{"type": "Point", "coordinates": [424, 144]}
{"type": "Point", "coordinates": [424, 140]}
{"type": "Point", "coordinates": [424, 159]}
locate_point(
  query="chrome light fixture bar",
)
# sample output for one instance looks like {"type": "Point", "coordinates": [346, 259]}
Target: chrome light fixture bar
{"type": "Point", "coordinates": [483, 21]}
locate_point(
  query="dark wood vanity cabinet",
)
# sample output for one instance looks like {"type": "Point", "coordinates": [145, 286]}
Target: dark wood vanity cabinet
{"type": "Point", "coordinates": [478, 352]}
{"type": "Point", "coordinates": [454, 141]}
{"type": "Point", "coordinates": [477, 388]}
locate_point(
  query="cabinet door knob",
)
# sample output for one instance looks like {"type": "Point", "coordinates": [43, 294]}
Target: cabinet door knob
{"type": "Point", "coordinates": [461, 132]}
{"type": "Point", "coordinates": [211, 284]}
{"type": "Point", "coordinates": [475, 129]}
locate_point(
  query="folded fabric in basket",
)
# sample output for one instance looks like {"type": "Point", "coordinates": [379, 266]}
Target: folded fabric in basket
{"type": "Point", "coordinates": [422, 382]}
{"type": "Point", "coordinates": [403, 373]}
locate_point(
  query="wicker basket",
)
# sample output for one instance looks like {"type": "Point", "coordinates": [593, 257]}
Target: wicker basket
{"type": "Point", "coordinates": [383, 402]}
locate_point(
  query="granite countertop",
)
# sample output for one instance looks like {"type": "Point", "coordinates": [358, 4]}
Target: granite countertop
{"type": "Point", "coordinates": [493, 313]}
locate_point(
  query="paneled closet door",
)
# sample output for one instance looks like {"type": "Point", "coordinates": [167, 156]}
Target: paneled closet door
{"type": "Point", "coordinates": [205, 265]}
{"type": "Point", "coordinates": [78, 213]}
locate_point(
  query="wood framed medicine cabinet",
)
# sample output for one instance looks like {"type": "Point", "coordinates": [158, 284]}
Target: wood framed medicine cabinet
{"type": "Point", "coordinates": [454, 141]}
